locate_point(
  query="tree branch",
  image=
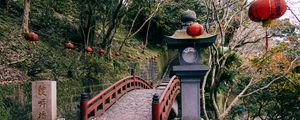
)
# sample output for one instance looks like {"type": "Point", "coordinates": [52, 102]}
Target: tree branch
{"type": "Point", "coordinates": [235, 101]}
{"type": "Point", "coordinates": [293, 14]}
{"type": "Point", "coordinates": [204, 84]}
{"type": "Point", "coordinates": [270, 83]}
{"type": "Point", "coordinates": [26, 16]}
{"type": "Point", "coordinates": [130, 30]}
{"type": "Point", "coordinates": [149, 18]}
{"type": "Point", "coordinates": [226, 99]}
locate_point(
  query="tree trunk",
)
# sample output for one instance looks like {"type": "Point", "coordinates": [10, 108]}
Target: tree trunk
{"type": "Point", "coordinates": [88, 24]}
{"type": "Point", "coordinates": [26, 16]}
{"type": "Point", "coordinates": [147, 35]}
{"type": "Point", "coordinates": [130, 30]}
{"type": "Point", "coordinates": [112, 26]}
{"type": "Point", "coordinates": [141, 27]}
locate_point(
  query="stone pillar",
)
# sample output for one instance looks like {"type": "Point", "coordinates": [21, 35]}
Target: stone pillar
{"type": "Point", "coordinates": [190, 100]}
{"type": "Point", "coordinates": [44, 100]}
{"type": "Point", "coordinates": [190, 78]}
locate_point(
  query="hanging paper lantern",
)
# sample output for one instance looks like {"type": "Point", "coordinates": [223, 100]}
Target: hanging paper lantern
{"type": "Point", "coordinates": [195, 29]}
{"type": "Point", "coordinates": [117, 54]}
{"type": "Point", "coordinates": [35, 37]}
{"type": "Point", "coordinates": [31, 36]}
{"type": "Point", "coordinates": [266, 10]}
{"type": "Point", "coordinates": [89, 49]}
{"type": "Point", "coordinates": [101, 51]}
{"type": "Point", "coordinates": [69, 45]}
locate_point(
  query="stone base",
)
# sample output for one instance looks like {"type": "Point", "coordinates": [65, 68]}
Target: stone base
{"type": "Point", "coordinates": [190, 100]}
{"type": "Point", "coordinates": [190, 71]}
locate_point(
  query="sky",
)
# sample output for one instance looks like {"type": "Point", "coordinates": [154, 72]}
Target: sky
{"type": "Point", "coordinates": [295, 6]}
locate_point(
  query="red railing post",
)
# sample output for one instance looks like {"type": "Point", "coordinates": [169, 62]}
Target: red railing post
{"type": "Point", "coordinates": [155, 107]}
{"type": "Point", "coordinates": [132, 73]}
{"type": "Point", "coordinates": [84, 106]}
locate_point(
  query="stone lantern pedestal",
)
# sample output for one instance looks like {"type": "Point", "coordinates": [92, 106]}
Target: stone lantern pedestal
{"type": "Point", "coordinates": [190, 71]}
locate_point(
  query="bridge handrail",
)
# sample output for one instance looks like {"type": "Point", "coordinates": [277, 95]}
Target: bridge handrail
{"type": "Point", "coordinates": [163, 107]}
{"type": "Point", "coordinates": [102, 101]}
{"type": "Point", "coordinates": [118, 83]}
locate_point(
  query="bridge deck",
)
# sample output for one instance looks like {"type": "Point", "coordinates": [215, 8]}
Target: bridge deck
{"type": "Point", "coordinates": [135, 105]}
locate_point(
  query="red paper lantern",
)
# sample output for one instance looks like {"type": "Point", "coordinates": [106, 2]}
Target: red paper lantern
{"type": "Point", "coordinates": [69, 45]}
{"type": "Point", "coordinates": [101, 51]}
{"type": "Point", "coordinates": [89, 49]}
{"type": "Point", "coordinates": [195, 29]}
{"type": "Point", "coordinates": [31, 36]}
{"type": "Point", "coordinates": [266, 10]}
{"type": "Point", "coordinates": [35, 37]}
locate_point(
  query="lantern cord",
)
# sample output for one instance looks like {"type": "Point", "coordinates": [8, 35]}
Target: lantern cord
{"type": "Point", "coordinates": [267, 44]}
{"type": "Point", "coordinates": [195, 49]}
{"type": "Point", "coordinates": [194, 45]}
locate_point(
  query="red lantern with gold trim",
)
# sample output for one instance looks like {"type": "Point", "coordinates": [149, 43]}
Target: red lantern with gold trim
{"type": "Point", "coordinates": [265, 11]}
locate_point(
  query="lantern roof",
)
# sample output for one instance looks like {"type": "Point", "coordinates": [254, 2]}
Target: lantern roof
{"type": "Point", "coordinates": [182, 35]}
{"type": "Point", "coordinates": [181, 39]}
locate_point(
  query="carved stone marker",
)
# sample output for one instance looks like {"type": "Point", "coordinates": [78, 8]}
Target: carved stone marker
{"type": "Point", "coordinates": [44, 100]}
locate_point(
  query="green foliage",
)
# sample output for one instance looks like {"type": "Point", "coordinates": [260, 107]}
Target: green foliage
{"type": "Point", "coordinates": [65, 7]}
{"type": "Point", "coordinates": [284, 28]}
{"type": "Point", "coordinates": [237, 111]}
{"type": "Point", "coordinates": [233, 60]}
{"type": "Point", "coordinates": [280, 101]}
{"type": "Point", "coordinates": [4, 113]}
{"type": "Point", "coordinates": [169, 17]}
{"type": "Point", "coordinates": [14, 101]}
{"type": "Point", "coordinates": [230, 75]}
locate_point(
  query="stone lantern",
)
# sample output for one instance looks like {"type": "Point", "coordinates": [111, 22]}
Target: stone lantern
{"type": "Point", "coordinates": [189, 70]}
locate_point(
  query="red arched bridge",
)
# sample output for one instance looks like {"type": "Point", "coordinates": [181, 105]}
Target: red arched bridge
{"type": "Point", "coordinates": [133, 98]}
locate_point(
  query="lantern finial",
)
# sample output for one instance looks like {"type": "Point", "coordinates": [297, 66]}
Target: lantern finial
{"type": "Point", "coordinates": [188, 17]}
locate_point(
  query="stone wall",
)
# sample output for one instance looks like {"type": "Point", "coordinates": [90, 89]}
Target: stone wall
{"type": "Point", "coordinates": [153, 68]}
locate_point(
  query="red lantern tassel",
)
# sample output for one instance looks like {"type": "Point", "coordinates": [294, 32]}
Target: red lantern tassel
{"type": "Point", "coordinates": [267, 44]}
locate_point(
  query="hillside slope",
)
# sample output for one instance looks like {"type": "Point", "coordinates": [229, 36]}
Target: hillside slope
{"type": "Point", "coordinates": [22, 62]}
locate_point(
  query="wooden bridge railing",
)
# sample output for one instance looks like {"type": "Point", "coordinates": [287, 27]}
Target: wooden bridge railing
{"type": "Point", "coordinates": [161, 106]}
{"type": "Point", "coordinates": [102, 101]}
